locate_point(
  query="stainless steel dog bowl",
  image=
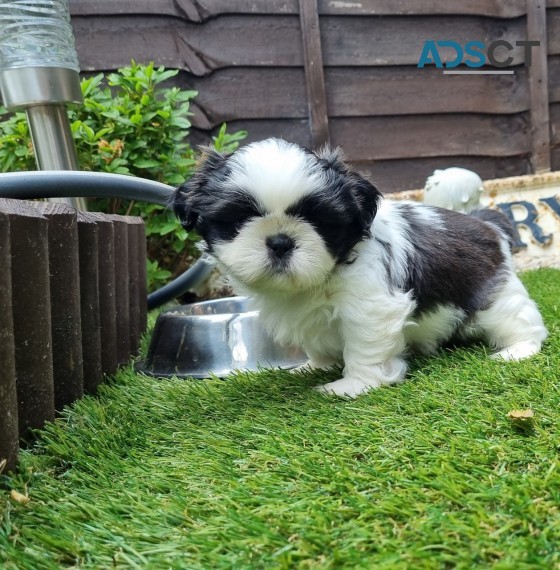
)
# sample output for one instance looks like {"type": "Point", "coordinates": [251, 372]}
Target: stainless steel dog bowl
{"type": "Point", "coordinates": [214, 338]}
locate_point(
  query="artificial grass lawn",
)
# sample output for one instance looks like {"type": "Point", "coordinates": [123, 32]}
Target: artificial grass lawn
{"type": "Point", "coordinates": [260, 471]}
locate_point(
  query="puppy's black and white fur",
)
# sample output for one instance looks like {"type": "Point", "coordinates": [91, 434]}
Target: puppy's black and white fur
{"type": "Point", "coordinates": [351, 278]}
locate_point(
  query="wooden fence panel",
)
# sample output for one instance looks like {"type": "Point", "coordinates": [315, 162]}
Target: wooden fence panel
{"type": "Point", "coordinates": [246, 58]}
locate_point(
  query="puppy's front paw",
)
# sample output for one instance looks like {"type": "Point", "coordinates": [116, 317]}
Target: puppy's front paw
{"type": "Point", "coordinates": [361, 379]}
{"type": "Point", "coordinates": [347, 388]}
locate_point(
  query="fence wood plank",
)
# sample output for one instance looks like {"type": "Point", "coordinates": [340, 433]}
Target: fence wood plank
{"type": "Point", "coordinates": [421, 136]}
{"type": "Point", "coordinates": [411, 173]}
{"type": "Point", "coordinates": [538, 87]}
{"type": "Point", "coordinates": [31, 314]}
{"type": "Point", "coordinates": [553, 79]}
{"type": "Point", "coordinates": [9, 431]}
{"type": "Point", "coordinates": [189, 46]}
{"type": "Point", "coordinates": [555, 158]}
{"type": "Point", "coordinates": [314, 75]}
{"type": "Point", "coordinates": [370, 91]}
{"type": "Point", "coordinates": [489, 8]}
{"type": "Point", "coordinates": [553, 30]}
{"type": "Point", "coordinates": [88, 240]}
{"type": "Point", "coordinates": [399, 41]}
{"type": "Point", "coordinates": [379, 138]}
{"type": "Point", "coordinates": [201, 10]}
{"type": "Point", "coordinates": [65, 302]}
{"type": "Point", "coordinates": [235, 94]}
{"type": "Point", "coordinates": [249, 41]}
{"type": "Point", "coordinates": [555, 121]}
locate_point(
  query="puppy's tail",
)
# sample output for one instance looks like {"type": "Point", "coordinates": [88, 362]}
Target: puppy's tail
{"type": "Point", "coordinates": [497, 220]}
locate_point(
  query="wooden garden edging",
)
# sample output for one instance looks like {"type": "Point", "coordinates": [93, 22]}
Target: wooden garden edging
{"type": "Point", "coordinates": [72, 309]}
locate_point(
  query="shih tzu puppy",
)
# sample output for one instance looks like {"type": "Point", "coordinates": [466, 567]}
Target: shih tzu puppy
{"type": "Point", "coordinates": [350, 277]}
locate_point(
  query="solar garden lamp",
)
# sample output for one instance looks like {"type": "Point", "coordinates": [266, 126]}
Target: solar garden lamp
{"type": "Point", "coordinates": [39, 73]}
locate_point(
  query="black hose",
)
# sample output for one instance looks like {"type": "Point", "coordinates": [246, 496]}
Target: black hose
{"type": "Point", "coordinates": [196, 274]}
{"type": "Point", "coordinates": [79, 184]}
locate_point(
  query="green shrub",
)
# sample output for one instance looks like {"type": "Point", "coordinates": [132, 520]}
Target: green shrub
{"type": "Point", "coordinates": [130, 124]}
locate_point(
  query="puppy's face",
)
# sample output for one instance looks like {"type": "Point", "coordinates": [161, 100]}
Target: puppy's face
{"type": "Point", "coordinates": [277, 217]}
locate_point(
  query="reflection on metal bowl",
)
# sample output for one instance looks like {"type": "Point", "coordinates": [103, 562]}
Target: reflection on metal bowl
{"type": "Point", "coordinates": [214, 338]}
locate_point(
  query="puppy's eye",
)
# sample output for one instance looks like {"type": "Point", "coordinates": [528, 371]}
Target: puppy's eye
{"type": "Point", "coordinates": [229, 220]}
{"type": "Point", "coordinates": [234, 216]}
{"type": "Point", "coordinates": [227, 224]}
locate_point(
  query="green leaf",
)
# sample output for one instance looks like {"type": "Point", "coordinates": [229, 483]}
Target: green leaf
{"type": "Point", "coordinates": [146, 163]}
{"type": "Point", "coordinates": [180, 122]}
{"type": "Point", "coordinates": [164, 75]}
{"type": "Point", "coordinates": [168, 228]}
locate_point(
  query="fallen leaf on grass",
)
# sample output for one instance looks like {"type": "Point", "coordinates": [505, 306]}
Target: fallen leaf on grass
{"type": "Point", "coordinates": [521, 415]}
{"type": "Point", "coordinates": [19, 498]}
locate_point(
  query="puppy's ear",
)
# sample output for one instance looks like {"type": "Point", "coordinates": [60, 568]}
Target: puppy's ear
{"type": "Point", "coordinates": [332, 158]}
{"type": "Point", "coordinates": [189, 198]}
{"type": "Point", "coordinates": [183, 208]}
{"type": "Point", "coordinates": [368, 198]}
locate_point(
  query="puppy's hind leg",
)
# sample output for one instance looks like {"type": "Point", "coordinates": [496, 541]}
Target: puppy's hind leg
{"type": "Point", "coordinates": [512, 324]}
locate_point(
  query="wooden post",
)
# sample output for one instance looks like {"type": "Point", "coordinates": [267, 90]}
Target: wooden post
{"type": "Point", "coordinates": [142, 279]}
{"type": "Point", "coordinates": [121, 288]}
{"type": "Point", "coordinates": [107, 307]}
{"type": "Point", "coordinates": [89, 296]}
{"type": "Point", "coordinates": [538, 87]}
{"type": "Point", "coordinates": [314, 75]}
{"type": "Point", "coordinates": [66, 323]}
{"type": "Point", "coordinates": [31, 314]}
{"type": "Point", "coordinates": [9, 433]}
{"type": "Point", "coordinates": [136, 256]}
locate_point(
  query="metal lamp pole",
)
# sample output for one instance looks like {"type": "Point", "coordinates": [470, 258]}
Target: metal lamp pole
{"type": "Point", "coordinates": [39, 73]}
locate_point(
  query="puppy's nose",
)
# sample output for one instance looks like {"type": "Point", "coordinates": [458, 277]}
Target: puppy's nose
{"type": "Point", "coordinates": [280, 244]}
